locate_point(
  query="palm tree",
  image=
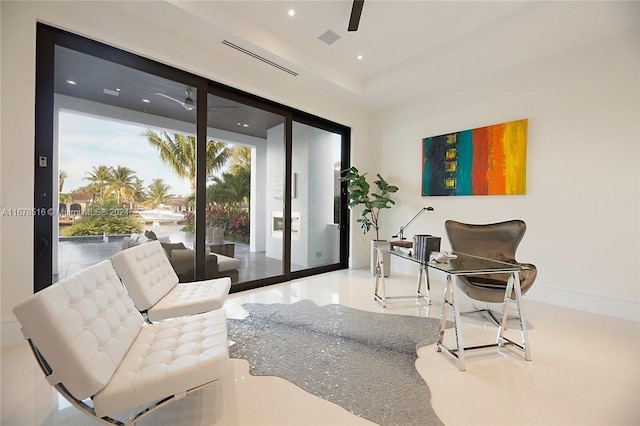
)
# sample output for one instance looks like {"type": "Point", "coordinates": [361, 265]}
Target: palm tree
{"type": "Point", "coordinates": [62, 175]}
{"type": "Point", "coordinates": [66, 198]}
{"type": "Point", "coordinates": [179, 153]}
{"type": "Point", "coordinates": [121, 182]}
{"type": "Point", "coordinates": [157, 193]}
{"type": "Point", "coordinates": [240, 159]}
{"type": "Point", "coordinates": [138, 194]}
{"type": "Point", "coordinates": [233, 189]}
{"type": "Point", "coordinates": [99, 178]}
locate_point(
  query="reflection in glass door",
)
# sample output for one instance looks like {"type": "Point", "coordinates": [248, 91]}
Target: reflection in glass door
{"type": "Point", "coordinates": [315, 197]}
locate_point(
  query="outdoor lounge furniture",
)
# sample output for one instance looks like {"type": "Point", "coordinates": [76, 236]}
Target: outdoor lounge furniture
{"type": "Point", "coordinates": [153, 284]}
{"type": "Point", "coordinates": [216, 266]}
{"type": "Point", "coordinates": [97, 350]}
{"type": "Point", "coordinates": [183, 259]}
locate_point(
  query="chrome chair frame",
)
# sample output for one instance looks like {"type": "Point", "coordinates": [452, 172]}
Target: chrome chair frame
{"type": "Point", "coordinates": [88, 410]}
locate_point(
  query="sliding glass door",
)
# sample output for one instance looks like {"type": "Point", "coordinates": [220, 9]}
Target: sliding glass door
{"type": "Point", "coordinates": [130, 150]}
{"type": "Point", "coordinates": [315, 197]}
{"type": "Point", "coordinates": [241, 196]}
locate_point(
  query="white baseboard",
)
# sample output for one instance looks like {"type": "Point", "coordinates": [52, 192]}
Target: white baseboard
{"type": "Point", "coordinates": [619, 308]}
{"type": "Point", "coordinates": [10, 332]}
{"type": "Point", "coordinates": [626, 309]}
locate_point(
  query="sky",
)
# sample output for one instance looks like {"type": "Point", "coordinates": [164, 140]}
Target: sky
{"type": "Point", "coordinates": [87, 141]}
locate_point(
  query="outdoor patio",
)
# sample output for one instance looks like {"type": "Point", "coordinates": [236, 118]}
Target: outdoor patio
{"type": "Point", "coordinates": [78, 253]}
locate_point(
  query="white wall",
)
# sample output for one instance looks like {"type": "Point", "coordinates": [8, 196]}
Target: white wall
{"type": "Point", "coordinates": [275, 168]}
{"type": "Point", "coordinates": [318, 210]}
{"type": "Point", "coordinates": [312, 165]}
{"type": "Point", "coordinates": [583, 192]}
{"type": "Point", "coordinates": [151, 29]}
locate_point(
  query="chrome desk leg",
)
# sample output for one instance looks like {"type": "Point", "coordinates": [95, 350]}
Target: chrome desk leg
{"type": "Point", "coordinates": [380, 284]}
{"type": "Point", "coordinates": [443, 318]}
{"type": "Point", "coordinates": [505, 312]}
{"type": "Point", "coordinates": [513, 286]}
{"type": "Point", "coordinates": [451, 302]}
{"type": "Point", "coordinates": [423, 276]}
{"type": "Point", "coordinates": [523, 324]}
{"type": "Point", "coordinates": [457, 326]}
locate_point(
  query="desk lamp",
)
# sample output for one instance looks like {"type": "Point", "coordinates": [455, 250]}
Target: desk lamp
{"type": "Point", "coordinates": [400, 234]}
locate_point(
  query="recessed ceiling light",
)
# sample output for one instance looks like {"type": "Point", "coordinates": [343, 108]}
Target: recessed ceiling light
{"type": "Point", "coordinates": [71, 82]}
{"type": "Point", "coordinates": [117, 89]}
{"type": "Point", "coordinates": [291, 12]}
{"type": "Point", "coordinates": [245, 125]}
{"type": "Point", "coordinates": [146, 101]}
{"type": "Point", "coordinates": [239, 124]}
{"type": "Point", "coordinates": [359, 57]}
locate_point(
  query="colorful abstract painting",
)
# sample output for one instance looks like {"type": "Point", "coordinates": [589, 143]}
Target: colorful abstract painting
{"type": "Point", "coordinates": [488, 160]}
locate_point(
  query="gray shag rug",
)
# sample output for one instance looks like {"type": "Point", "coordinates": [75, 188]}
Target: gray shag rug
{"type": "Point", "coordinates": [362, 361]}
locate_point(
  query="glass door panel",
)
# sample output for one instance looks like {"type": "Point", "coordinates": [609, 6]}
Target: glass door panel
{"type": "Point", "coordinates": [124, 145]}
{"type": "Point", "coordinates": [245, 168]}
{"type": "Point", "coordinates": [315, 197]}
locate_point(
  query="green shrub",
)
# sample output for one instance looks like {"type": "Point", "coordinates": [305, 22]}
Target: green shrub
{"type": "Point", "coordinates": [235, 220]}
{"type": "Point", "coordinates": [103, 217]}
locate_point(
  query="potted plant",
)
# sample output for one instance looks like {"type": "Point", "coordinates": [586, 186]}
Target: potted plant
{"type": "Point", "coordinates": [360, 193]}
{"type": "Point", "coordinates": [217, 219]}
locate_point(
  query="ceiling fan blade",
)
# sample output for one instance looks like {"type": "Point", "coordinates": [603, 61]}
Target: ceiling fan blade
{"type": "Point", "coordinates": [356, 12]}
{"type": "Point", "coordinates": [189, 106]}
{"type": "Point", "coordinates": [169, 97]}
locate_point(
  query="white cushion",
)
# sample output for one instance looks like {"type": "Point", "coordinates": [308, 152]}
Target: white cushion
{"type": "Point", "coordinates": [168, 357]}
{"type": "Point", "coordinates": [83, 325]}
{"type": "Point", "coordinates": [165, 239]}
{"type": "Point", "coordinates": [226, 263]}
{"type": "Point", "coordinates": [146, 272]}
{"type": "Point", "coordinates": [191, 298]}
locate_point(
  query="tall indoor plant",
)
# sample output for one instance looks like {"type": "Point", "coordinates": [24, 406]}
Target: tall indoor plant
{"type": "Point", "coordinates": [373, 202]}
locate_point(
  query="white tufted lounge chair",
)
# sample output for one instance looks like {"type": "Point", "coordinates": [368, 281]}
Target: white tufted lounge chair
{"type": "Point", "coordinates": [153, 285]}
{"type": "Point", "coordinates": [96, 349]}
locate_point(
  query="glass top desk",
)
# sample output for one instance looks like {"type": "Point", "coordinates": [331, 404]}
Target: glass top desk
{"type": "Point", "coordinates": [464, 264]}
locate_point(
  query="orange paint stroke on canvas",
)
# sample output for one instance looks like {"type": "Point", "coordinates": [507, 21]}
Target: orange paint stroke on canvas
{"type": "Point", "coordinates": [495, 169]}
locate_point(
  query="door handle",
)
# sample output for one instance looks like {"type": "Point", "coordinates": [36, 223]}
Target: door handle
{"type": "Point", "coordinates": [44, 245]}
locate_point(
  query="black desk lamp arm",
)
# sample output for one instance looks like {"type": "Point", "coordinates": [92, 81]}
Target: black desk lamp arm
{"type": "Point", "coordinates": [402, 228]}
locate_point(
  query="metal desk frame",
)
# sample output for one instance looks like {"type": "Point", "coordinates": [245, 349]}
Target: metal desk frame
{"type": "Point", "coordinates": [380, 291]}
{"type": "Point", "coordinates": [464, 265]}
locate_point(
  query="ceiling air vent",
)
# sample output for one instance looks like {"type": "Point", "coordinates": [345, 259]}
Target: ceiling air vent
{"type": "Point", "coordinates": [329, 37]}
{"type": "Point", "coordinates": [260, 58]}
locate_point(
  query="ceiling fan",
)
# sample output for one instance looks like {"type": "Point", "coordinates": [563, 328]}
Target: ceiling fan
{"type": "Point", "coordinates": [188, 102]}
{"type": "Point", "coordinates": [356, 12]}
